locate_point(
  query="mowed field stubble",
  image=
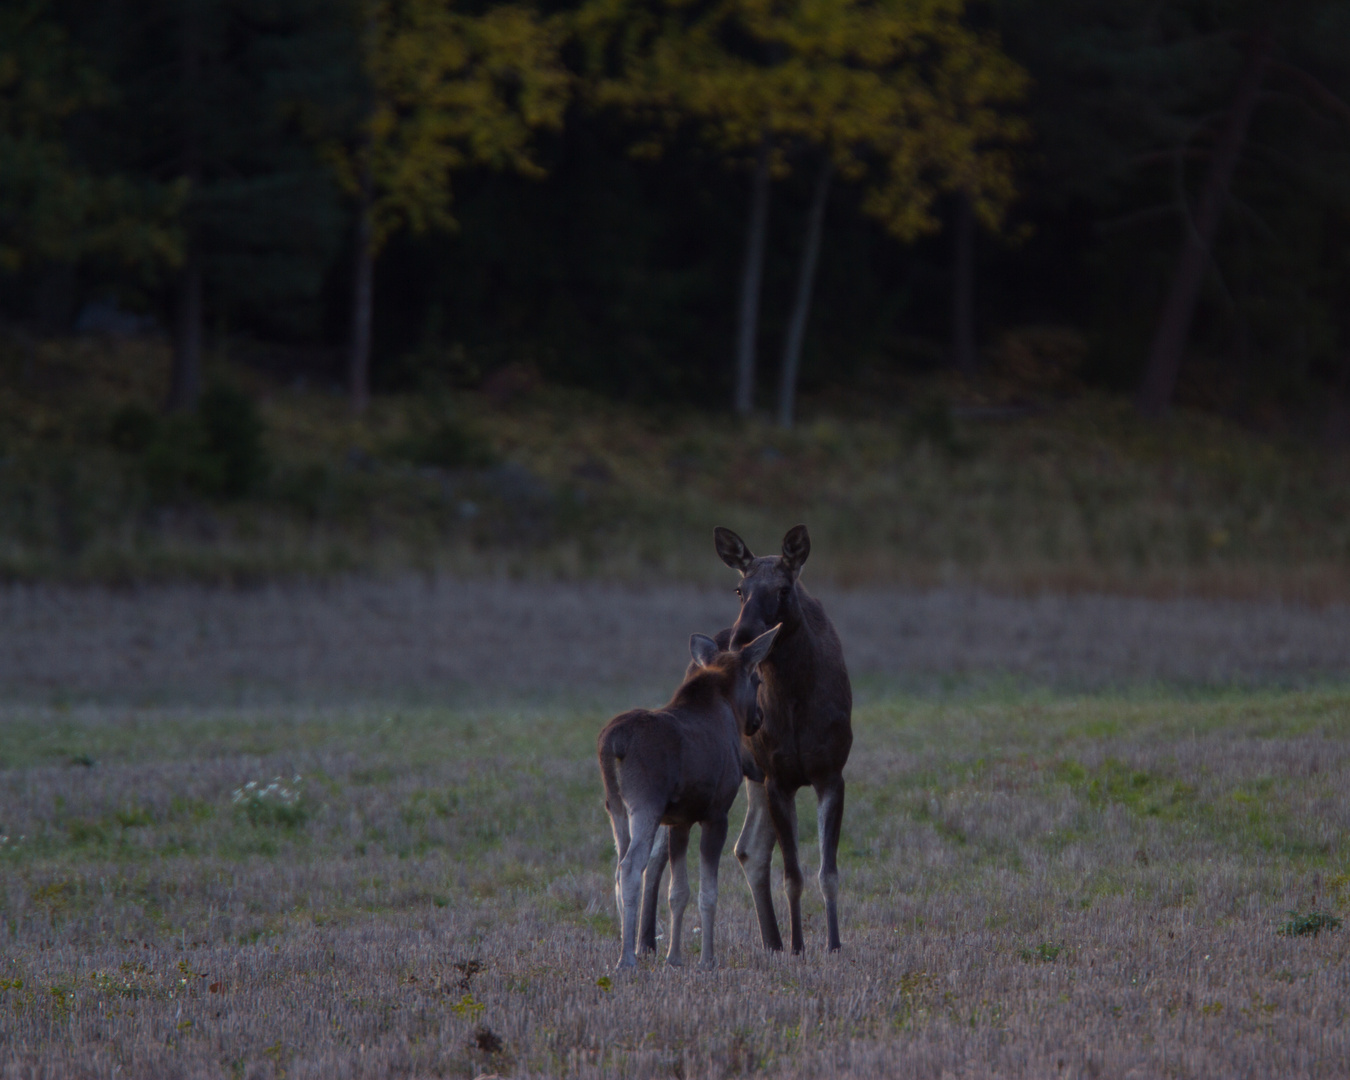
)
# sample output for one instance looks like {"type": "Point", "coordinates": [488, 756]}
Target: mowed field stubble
{"type": "Point", "coordinates": [1099, 868]}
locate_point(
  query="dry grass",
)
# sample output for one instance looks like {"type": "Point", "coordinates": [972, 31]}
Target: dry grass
{"type": "Point", "coordinates": [1076, 495]}
{"type": "Point", "coordinates": [410, 638]}
{"type": "Point", "coordinates": [1034, 885]}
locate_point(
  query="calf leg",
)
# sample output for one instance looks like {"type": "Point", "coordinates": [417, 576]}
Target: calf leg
{"type": "Point", "coordinates": [618, 821]}
{"type": "Point", "coordinates": [642, 829]}
{"type": "Point", "coordinates": [783, 813]}
{"type": "Point", "coordinates": [651, 890]}
{"type": "Point", "coordinates": [829, 819]}
{"type": "Point", "coordinates": [679, 893]}
{"type": "Point", "coordinates": [754, 850]}
{"type": "Point", "coordinates": [710, 843]}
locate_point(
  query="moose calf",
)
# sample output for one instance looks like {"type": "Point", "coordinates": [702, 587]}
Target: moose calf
{"type": "Point", "coordinates": [679, 766]}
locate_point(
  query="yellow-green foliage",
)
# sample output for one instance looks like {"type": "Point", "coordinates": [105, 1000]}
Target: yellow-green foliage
{"type": "Point", "coordinates": [51, 207]}
{"type": "Point", "coordinates": [449, 90]}
{"type": "Point", "coordinates": [899, 91]}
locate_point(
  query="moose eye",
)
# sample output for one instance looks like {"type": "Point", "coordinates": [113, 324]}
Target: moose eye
{"type": "Point", "coordinates": [739, 593]}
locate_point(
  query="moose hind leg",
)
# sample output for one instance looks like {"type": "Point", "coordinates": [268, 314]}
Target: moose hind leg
{"type": "Point", "coordinates": [679, 893]}
{"type": "Point", "coordinates": [618, 820]}
{"type": "Point", "coordinates": [651, 890]}
{"type": "Point", "coordinates": [642, 829]}
{"type": "Point", "coordinates": [830, 819]}
{"type": "Point", "coordinates": [783, 810]}
{"type": "Point", "coordinates": [710, 843]}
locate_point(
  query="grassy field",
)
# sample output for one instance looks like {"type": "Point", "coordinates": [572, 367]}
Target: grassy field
{"type": "Point", "coordinates": [1033, 885]}
{"type": "Point", "coordinates": [911, 481]}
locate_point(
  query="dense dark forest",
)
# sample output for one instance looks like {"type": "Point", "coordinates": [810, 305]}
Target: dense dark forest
{"type": "Point", "coordinates": [678, 202]}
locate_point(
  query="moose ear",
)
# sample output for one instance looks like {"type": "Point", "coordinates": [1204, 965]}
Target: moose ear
{"type": "Point", "coordinates": [702, 648]}
{"type": "Point", "coordinates": [731, 549]}
{"type": "Point", "coordinates": [758, 649]}
{"type": "Point", "coordinates": [796, 547]}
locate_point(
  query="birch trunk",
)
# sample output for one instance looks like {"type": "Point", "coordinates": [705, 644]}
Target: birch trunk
{"type": "Point", "coordinates": [801, 311]}
{"type": "Point", "coordinates": [1169, 340]}
{"type": "Point", "coordinates": [186, 382]}
{"type": "Point", "coordinates": [751, 279]}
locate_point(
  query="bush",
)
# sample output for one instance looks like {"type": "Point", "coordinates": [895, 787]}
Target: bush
{"type": "Point", "coordinates": [216, 451]}
{"type": "Point", "coordinates": [446, 443]}
{"type": "Point", "coordinates": [132, 428]}
{"type": "Point", "coordinates": [931, 420]}
{"type": "Point", "coordinates": [234, 433]}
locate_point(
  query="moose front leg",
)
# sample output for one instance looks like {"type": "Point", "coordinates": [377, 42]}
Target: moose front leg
{"type": "Point", "coordinates": [783, 813]}
{"type": "Point", "coordinates": [829, 820]}
{"type": "Point", "coordinates": [711, 841]}
{"type": "Point", "coordinates": [754, 850]}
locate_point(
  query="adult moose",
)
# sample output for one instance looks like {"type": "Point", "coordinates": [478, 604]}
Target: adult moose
{"type": "Point", "coordinates": [679, 766]}
{"type": "Point", "coordinates": [806, 703]}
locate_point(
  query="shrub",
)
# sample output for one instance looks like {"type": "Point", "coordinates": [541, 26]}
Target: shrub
{"type": "Point", "coordinates": [446, 443]}
{"type": "Point", "coordinates": [132, 428]}
{"type": "Point", "coordinates": [931, 420]}
{"type": "Point", "coordinates": [234, 433]}
{"type": "Point", "coordinates": [216, 451]}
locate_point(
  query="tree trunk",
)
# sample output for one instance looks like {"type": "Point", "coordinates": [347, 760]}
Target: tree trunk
{"type": "Point", "coordinates": [185, 380]}
{"type": "Point", "coordinates": [751, 279]}
{"type": "Point", "coordinates": [963, 286]}
{"type": "Point", "coordinates": [806, 280]}
{"type": "Point", "coordinates": [1169, 340]}
{"type": "Point", "coordinates": [363, 300]}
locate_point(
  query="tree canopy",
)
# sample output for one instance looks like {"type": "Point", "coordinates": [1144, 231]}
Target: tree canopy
{"type": "Point", "coordinates": [549, 185]}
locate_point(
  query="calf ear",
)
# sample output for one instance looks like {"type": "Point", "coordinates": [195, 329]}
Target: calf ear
{"type": "Point", "coordinates": [796, 547]}
{"type": "Point", "coordinates": [702, 648]}
{"type": "Point", "coordinates": [758, 649]}
{"type": "Point", "coordinates": [731, 549]}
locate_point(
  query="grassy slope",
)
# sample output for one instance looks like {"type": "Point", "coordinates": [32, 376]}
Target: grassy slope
{"type": "Point", "coordinates": [1033, 885]}
{"type": "Point", "coordinates": [1078, 494]}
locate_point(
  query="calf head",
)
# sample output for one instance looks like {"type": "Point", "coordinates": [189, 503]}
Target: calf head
{"type": "Point", "coordinates": [740, 666]}
{"type": "Point", "coordinates": [768, 588]}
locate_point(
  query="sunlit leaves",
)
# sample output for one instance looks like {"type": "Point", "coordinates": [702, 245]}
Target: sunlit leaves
{"type": "Point", "coordinates": [450, 90]}
{"type": "Point", "coordinates": [901, 93]}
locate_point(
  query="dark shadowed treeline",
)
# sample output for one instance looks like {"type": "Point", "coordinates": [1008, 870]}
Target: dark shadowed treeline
{"type": "Point", "coordinates": [683, 202]}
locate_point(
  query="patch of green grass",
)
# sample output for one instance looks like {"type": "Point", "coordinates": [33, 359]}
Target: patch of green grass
{"type": "Point", "coordinates": [1047, 952]}
{"type": "Point", "coordinates": [1303, 923]}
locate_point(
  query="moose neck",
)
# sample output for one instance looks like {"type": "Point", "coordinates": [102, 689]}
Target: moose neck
{"type": "Point", "coordinates": [792, 657]}
{"type": "Point", "coordinates": [702, 689]}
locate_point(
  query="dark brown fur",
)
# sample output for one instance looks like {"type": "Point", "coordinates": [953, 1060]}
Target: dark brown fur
{"type": "Point", "coordinates": [679, 766]}
{"type": "Point", "coordinates": [807, 705]}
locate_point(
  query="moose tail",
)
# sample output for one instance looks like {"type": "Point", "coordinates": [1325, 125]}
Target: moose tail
{"type": "Point", "coordinates": [613, 748]}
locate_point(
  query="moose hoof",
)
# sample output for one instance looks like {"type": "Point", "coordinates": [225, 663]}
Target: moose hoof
{"type": "Point", "coordinates": [675, 961]}
{"type": "Point", "coordinates": [626, 962]}
{"type": "Point", "coordinates": [707, 965]}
